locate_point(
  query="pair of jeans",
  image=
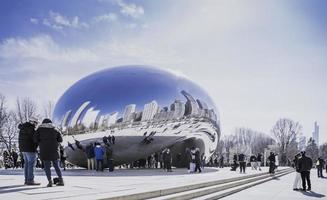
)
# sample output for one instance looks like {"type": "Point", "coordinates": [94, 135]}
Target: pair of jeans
{"type": "Point", "coordinates": [242, 166]}
{"type": "Point", "coordinates": [99, 165]}
{"type": "Point", "coordinates": [305, 175]}
{"type": "Point", "coordinates": [29, 164]}
{"type": "Point", "coordinates": [47, 166]}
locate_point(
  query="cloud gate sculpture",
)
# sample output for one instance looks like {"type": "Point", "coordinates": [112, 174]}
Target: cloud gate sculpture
{"type": "Point", "coordinates": [147, 110]}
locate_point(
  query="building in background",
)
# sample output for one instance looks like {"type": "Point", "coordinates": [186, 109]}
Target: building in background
{"type": "Point", "coordinates": [315, 134]}
{"type": "Point", "coordinates": [129, 111]}
{"type": "Point", "coordinates": [150, 110]}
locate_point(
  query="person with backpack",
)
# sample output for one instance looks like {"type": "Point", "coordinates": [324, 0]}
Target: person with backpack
{"type": "Point", "coordinates": [305, 165]}
{"type": "Point", "coordinates": [27, 146]}
{"type": "Point", "coordinates": [49, 139]}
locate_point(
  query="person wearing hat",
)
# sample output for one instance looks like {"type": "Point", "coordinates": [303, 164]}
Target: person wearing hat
{"type": "Point", "coordinates": [28, 147]}
{"type": "Point", "coordinates": [49, 139]}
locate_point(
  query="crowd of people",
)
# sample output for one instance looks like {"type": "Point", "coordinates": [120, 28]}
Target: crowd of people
{"type": "Point", "coordinates": [241, 161]}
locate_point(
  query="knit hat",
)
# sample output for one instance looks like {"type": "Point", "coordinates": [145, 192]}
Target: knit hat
{"type": "Point", "coordinates": [46, 121]}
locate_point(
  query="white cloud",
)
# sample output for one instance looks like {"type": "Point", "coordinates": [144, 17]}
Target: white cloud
{"type": "Point", "coordinates": [130, 9]}
{"type": "Point", "coordinates": [110, 17]}
{"type": "Point", "coordinates": [34, 21]}
{"type": "Point", "coordinates": [58, 22]}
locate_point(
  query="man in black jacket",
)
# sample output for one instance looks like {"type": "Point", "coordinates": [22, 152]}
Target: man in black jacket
{"type": "Point", "coordinates": [320, 166]}
{"type": "Point", "coordinates": [241, 160]}
{"type": "Point", "coordinates": [305, 165]}
{"type": "Point", "coordinates": [49, 138]}
{"type": "Point", "coordinates": [272, 160]}
{"type": "Point", "coordinates": [28, 147]}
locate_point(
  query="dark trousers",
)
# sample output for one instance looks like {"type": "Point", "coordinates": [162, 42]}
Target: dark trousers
{"type": "Point", "coordinates": [272, 167]}
{"type": "Point", "coordinates": [167, 165]}
{"type": "Point", "coordinates": [99, 165]}
{"type": "Point", "coordinates": [47, 166]}
{"type": "Point", "coordinates": [242, 166]}
{"type": "Point", "coordinates": [197, 167]}
{"type": "Point", "coordinates": [319, 171]}
{"type": "Point", "coordinates": [305, 176]}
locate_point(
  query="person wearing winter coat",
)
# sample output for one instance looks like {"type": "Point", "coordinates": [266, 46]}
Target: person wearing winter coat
{"type": "Point", "coordinates": [305, 165]}
{"type": "Point", "coordinates": [99, 152]}
{"type": "Point", "coordinates": [89, 151]}
{"type": "Point", "coordinates": [167, 160]}
{"type": "Point", "coordinates": [49, 139]}
{"type": "Point", "coordinates": [259, 160]}
{"type": "Point", "coordinates": [27, 146]}
{"type": "Point", "coordinates": [297, 180]}
{"type": "Point", "coordinates": [320, 165]}
{"type": "Point", "coordinates": [241, 159]}
{"type": "Point", "coordinates": [197, 160]}
{"type": "Point", "coordinates": [253, 161]}
{"type": "Point", "coordinates": [272, 160]}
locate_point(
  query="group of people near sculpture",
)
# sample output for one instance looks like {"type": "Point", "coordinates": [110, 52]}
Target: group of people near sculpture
{"type": "Point", "coordinates": [239, 160]}
{"type": "Point", "coordinates": [45, 137]}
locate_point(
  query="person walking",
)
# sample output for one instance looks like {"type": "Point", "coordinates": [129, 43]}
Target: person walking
{"type": "Point", "coordinates": [99, 152]}
{"type": "Point", "coordinates": [27, 147]}
{"type": "Point", "coordinates": [253, 161]}
{"type": "Point", "coordinates": [89, 151]}
{"type": "Point", "coordinates": [49, 139]}
{"type": "Point", "coordinates": [305, 165]}
{"type": "Point", "coordinates": [320, 165]}
{"type": "Point", "coordinates": [272, 160]}
{"type": "Point", "coordinates": [259, 160]}
{"type": "Point", "coordinates": [241, 159]}
{"type": "Point", "coordinates": [297, 180]}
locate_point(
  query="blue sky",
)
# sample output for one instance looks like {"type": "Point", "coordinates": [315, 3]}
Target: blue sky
{"type": "Point", "coordinates": [259, 60]}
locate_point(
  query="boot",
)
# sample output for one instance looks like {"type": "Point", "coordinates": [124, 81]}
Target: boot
{"type": "Point", "coordinates": [60, 182]}
{"type": "Point", "coordinates": [49, 184]}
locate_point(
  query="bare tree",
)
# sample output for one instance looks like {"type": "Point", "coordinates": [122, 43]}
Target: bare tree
{"type": "Point", "coordinates": [25, 108]}
{"type": "Point", "coordinates": [285, 132]}
{"type": "Point", "coordinates": [48, 110]}
{"type": "Point", "coordinates": [9, 132]}
{"type": "Point", "coordinates": [323, 151]}
{"type": "Point", "coordinates": [312, 150]}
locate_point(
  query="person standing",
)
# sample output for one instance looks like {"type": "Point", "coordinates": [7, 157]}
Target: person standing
{"type": "Point", "coordinates": [259, 160]}
{"type": "Point", "coordinates": [320, 166]}
{"type": "Point", "coordinates": [49, 139]}
{"type": "Point", "coordinates": [89, 150]}
{"type": "Point", "coordinates": [110, 159]}
{"type": "Point", "coordinates": [272, 160]}
{"type": "Point", "coordinates": [297, 180]}
{"type": "Point", "coordinates": [305, 165]}
{"type": "Point", "coordinates": [62, 157]}
{"type": "Point", "coordinates": [167, 160]}
{"type": "Point", "coordinates": [27, 147]}
{"type": "Point", "coordinates": [241, 159]}
{"type": "Point", "coordinates": [197, 160]}
{"type": "Point", "coordinates": [253, 161]}
{"type": "Point", "coordinates": [99, 152]}
{"type": "Point", "coordinates": [113, 139]}
{"type": "Point", "coordinates": [14, 158]}
{"type": "Point", "coordinates": [221, 161]}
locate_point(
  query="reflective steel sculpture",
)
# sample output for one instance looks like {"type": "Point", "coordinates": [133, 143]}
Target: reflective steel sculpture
{"type": "Point", "coordinates": [146, 109]}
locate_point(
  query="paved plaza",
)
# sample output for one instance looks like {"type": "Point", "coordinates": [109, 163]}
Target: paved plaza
{"type": "Point", "coordinates": [83, 184]}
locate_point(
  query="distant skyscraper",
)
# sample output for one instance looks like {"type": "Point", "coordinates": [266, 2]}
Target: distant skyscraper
{"type": "Point", "coordinates": [178, 107]}
{"type": "Point", "coordinates": [78, 113]}
{"type": "Point", "coordinates": [128, 112]}
{"type": "Point", "coordinates": [315, 134]}
{"type": "Point", "coordinates": [191, 106]}
{"type": "Point", "coordinates": [150, 109]}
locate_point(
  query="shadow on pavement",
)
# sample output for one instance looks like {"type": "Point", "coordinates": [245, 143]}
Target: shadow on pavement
{"type": "Point", "coordinates": [2, 191]}
{"type": "Point", "coordinates": [313, 194]}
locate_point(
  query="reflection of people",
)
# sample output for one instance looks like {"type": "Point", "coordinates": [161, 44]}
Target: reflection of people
{"type": "Point", "coordinates": [28, 148]}
{"type": "Point", "coordinates": [49, 138]}
{"type": "Point", "coordinates": [89, 150]}
{"type": "Point", "coordinates": [99, 152]}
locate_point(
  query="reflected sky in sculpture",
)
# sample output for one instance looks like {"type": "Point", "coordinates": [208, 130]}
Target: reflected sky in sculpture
{"type": "Point", "coordinates": [112, 89]}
